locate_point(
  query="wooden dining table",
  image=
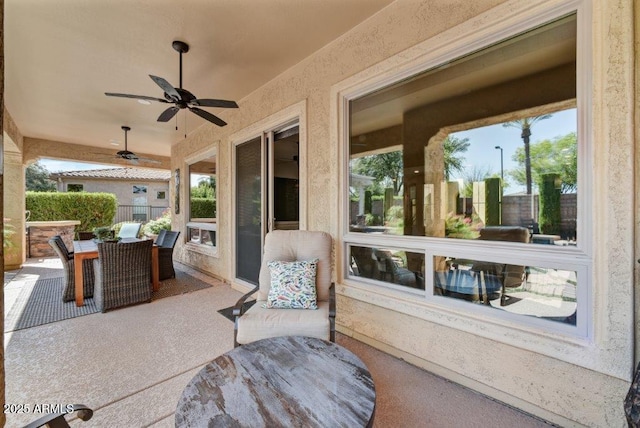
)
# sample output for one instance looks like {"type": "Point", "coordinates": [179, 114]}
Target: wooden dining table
{"type": "Point", "coordinates": [88, 249]}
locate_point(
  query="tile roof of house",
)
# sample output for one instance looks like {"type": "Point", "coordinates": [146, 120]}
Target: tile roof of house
{"type": "Point", "coordinates": [116, 174]}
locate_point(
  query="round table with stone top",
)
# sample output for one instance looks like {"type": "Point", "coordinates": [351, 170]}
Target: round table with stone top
{"type": "Point", "coordinates": [280, 382]}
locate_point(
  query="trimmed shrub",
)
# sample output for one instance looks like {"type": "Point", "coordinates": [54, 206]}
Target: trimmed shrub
{"type": "Point", "coordinates": [155, 226]}
{"type": "Point", "coordinates": [91, 209]}
{"type": "Point", "coordinates": [367, 202]}
{"type": "Point", "coordinates": [549, 215]}
{"type": "Point", "coordinates": [203, 208]}
{"type": "Point", "coordinates": [493, 197]}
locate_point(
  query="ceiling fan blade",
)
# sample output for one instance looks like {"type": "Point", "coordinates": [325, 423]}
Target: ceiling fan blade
{"type": "Point", "coordinates": [214, 103]}
{"type": "Point", "coordinates": [137, 97]}
{"type": "Point", "coordinates": [166, 87]}
{"type": "Point", "coordinates": [166, 115]}
{"type": "Point", "coordinates": [208, 116]}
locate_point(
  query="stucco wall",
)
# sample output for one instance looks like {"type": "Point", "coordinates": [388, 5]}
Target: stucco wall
{"type": "Point", "coordinates": [123, 189]}
{"type": "Point", "coordinates": [589, 391]}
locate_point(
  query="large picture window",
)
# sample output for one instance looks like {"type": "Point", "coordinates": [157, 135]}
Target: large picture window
{"type": "Point", "coordinates": [479, 155]}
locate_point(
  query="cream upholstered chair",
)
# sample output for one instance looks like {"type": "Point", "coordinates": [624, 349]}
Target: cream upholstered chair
{"type": "Point", "coordinates": [129, 230]}
{"type": "Point", "coordinates": [259, 322]}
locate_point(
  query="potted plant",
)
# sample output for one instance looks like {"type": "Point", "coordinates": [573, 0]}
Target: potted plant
{"type": "Point", "coordinates": [103, 233]}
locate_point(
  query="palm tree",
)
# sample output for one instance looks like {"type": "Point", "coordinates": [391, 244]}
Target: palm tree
{"type": "Point", "coordinates": [453, 148]}
{"type": "Point", "coordinates": [524, 124]}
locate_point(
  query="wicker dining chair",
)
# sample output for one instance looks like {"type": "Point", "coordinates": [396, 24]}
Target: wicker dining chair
{"type": "Point", "coordinates": [160, 236]}
{"type": "Point", "coordinates": [123, 274]}
{"type": "Point", "coordinates": [68, 264]}
{"type": "Point", "coordinates": [165, 254]}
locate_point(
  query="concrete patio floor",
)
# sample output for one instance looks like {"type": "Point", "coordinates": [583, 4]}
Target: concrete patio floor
{"type": "Point", "coordinates": [130, 365]}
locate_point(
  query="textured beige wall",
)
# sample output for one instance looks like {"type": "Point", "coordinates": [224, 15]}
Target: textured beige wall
{"type": "Point", "coordinates": [589, 392]}
{"type": "Point", "coordinates": [123, 189]}
{"type": "Point", "coordinates": [36, 148]}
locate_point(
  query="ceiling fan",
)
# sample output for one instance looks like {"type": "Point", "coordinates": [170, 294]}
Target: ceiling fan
{"type": "Point", "coordinates": [181, 98]}
{"type": "Point", "coordinates": [130, 156]}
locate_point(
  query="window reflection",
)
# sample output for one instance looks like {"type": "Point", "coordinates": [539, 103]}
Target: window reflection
{"type": "Point", "coordinates": [483, 141]}
{"type": "Point", "coordinates": [392, 266]}
{"type": "Point", "coordinates": [202, 225]}
{"type": "Point", "coordinates": [526, 290]}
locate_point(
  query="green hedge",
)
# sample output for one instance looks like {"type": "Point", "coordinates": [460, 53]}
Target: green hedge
{"type": "Point", "coordinates": [549, 216]}
{"type": "Point", "coordinates": [203, 208]}
{"type": "Point", "coordinates": [91, 209]}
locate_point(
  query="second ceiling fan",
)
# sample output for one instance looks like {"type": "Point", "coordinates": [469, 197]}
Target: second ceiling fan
{"type": "Point", "coordinates": [130, 156]}
{"type": "Point", "coordinates": [181, 98]}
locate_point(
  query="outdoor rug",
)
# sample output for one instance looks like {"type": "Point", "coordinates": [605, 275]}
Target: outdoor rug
{"type": "Point", "coordinates": [228, 312]}
{"type": "Point", "coordinates": [41, 302]}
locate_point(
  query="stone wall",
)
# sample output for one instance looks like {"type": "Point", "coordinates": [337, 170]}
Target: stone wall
{"type": "Point", "coordinates": [516, 211]}
{"type": "Point", "coordinates": [39, 233]}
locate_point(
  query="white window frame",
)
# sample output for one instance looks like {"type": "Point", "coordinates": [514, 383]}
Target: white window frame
{"type": "Point", "coordinates": [208, 250]}
{"type": "Point", "coordinates": [541, 336]}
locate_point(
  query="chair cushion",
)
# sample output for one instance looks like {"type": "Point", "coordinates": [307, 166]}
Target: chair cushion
{"type": "Point", "coordinates": [292, 245]}
{"type": "Point", "coordinates": [260, 323]}
{"type": "Point", "coordinates": [293, 285]}
{"type": "Point", "coordinates": [129, 230]}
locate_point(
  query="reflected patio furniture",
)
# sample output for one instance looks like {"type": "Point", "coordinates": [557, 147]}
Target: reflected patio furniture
{"type": "Point", "coordinates": [468, 285]}
{"type": "Point", "coordinates": [365, 262]}
{"type": "Point", "coordinates": [129, 230]}
{"type": "Point", "coordinates": [68, 263]}
{"type": "Point", "coordinates": [510, 275]}
{"type": "Point", "coordinates": [123, 274]}
{"type": "Point", "coordinates": [391, 272]}
{"type": "Point", "coordinates": [258, 322]}
{"type": "Point", "coordinates": [165, 254]}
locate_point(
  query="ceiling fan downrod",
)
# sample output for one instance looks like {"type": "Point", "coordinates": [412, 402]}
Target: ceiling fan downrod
{"type": "Point", "coordinates": [181, 47]}
{"type": "Point", "coordinates": [126, 129]}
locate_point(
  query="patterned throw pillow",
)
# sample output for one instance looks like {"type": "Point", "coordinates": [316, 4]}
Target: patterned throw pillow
{"type": "Point", "coordinates": [293, 285]}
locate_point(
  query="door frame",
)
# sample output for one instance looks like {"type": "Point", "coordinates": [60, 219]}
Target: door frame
{"type": "Point", "coordinates": [271, 123]}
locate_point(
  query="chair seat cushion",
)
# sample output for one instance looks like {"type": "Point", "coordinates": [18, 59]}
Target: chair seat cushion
{"type": "Point", "coordinates": [261, 323]}
{"type": "Point", "coordinates": [293, 285]}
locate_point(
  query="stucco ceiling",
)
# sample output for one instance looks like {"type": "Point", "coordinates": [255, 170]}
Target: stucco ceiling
{"type": "Point", "coordinates": [62, 56]}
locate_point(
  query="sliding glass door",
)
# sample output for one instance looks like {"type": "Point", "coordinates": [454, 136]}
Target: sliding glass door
{"type": "Point", "coordinates": [267, 194]}
{"type": "Point", "coordinates": [248, 210]}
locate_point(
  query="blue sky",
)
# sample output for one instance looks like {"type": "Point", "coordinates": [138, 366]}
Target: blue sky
{"type": "Point", "coordinates": [483, 154]}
